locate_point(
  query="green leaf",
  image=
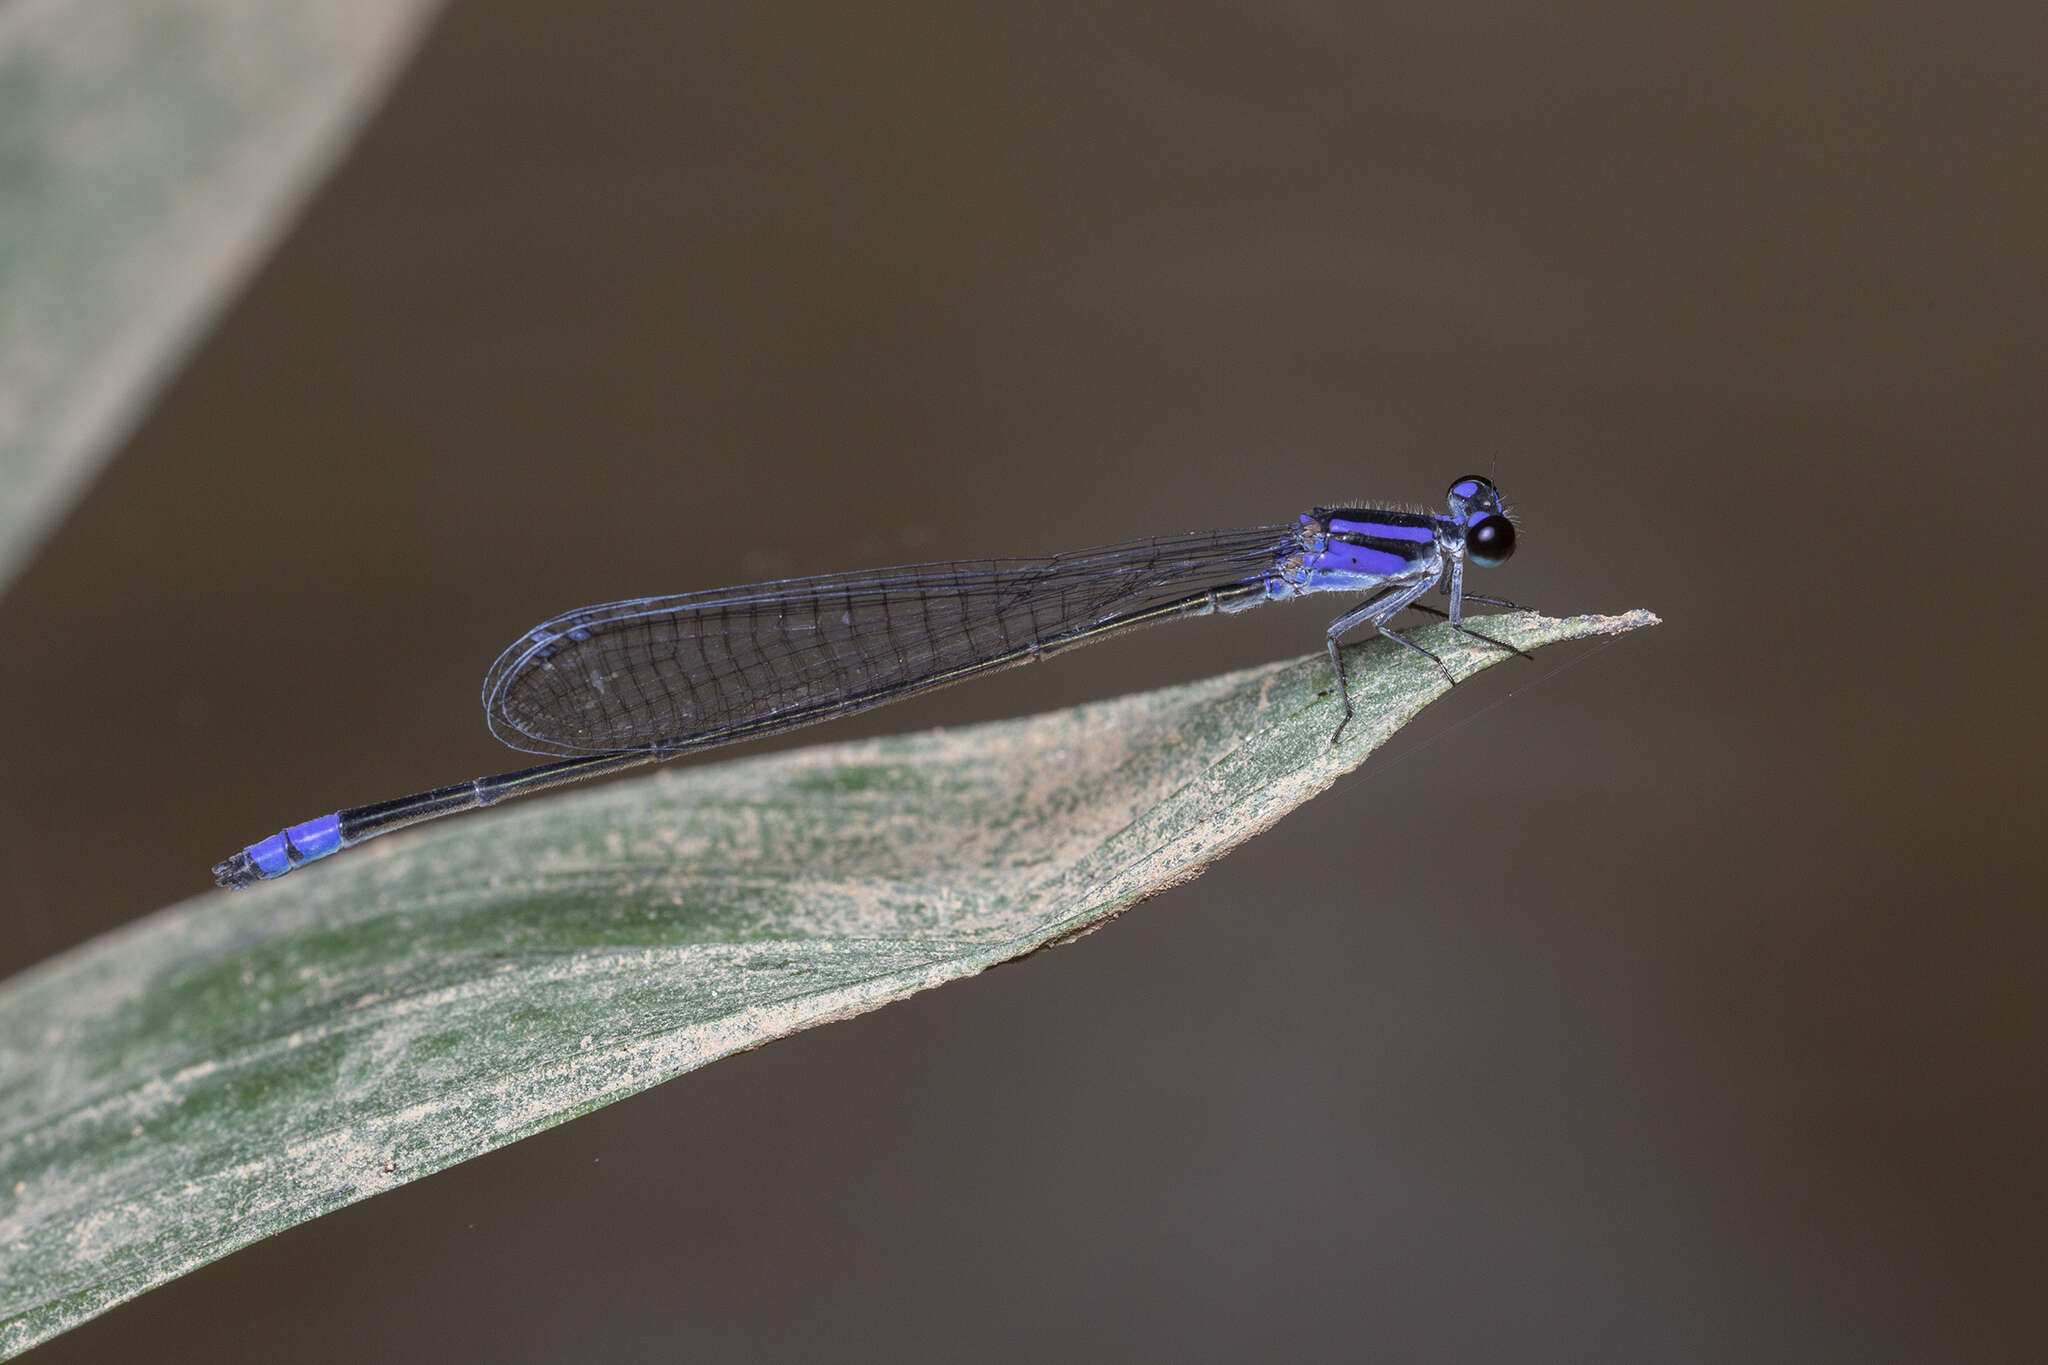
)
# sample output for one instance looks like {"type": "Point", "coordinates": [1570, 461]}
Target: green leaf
{"type": "Point", "coordinates": [238, 1064]}
{"type": "Point", "coordinates": [150, 151]}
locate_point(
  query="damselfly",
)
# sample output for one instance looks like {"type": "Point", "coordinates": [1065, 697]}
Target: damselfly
{"type": "Point", "coordinates": [611, 687]}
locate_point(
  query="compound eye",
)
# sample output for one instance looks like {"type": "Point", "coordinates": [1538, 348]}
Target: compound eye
{"type": "Point", "coordinates": [1489, 541]}
{"type": "Point", "coordinates": [1472, 488]}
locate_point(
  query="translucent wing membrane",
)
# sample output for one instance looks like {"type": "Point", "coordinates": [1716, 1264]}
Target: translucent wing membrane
{"type": "Point", "coordinates": [703, 668]}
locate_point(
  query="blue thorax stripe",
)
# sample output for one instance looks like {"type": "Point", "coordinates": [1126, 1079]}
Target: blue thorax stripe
{"type": "Point", "coordinates": [1410, 526]}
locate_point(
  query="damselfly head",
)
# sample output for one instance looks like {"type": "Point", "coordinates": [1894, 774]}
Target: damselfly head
{"type": "Point", "coordinates": [1489, 535]}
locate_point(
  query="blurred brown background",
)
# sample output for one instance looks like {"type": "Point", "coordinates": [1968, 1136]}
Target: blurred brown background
{"type": "Point", "coordinates": [1689, 1007]}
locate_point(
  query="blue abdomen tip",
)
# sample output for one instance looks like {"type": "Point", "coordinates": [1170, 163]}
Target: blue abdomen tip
{"type": "Point", "coordinates": [285, 850]}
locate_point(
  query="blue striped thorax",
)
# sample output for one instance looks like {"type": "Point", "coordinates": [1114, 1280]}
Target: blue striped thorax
{"type": "Point", "coordinates": [1346, 549]}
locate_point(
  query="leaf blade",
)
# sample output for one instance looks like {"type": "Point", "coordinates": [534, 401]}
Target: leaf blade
{"type": "Point", "coordinates": [150, 154]}
{"type": "Point", "coordinates": [233, 1066]}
